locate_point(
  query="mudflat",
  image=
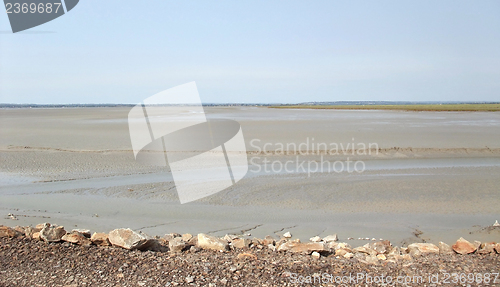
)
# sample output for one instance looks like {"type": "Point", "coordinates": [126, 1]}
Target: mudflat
{"type": "Point", "coordinates": [434, 174]}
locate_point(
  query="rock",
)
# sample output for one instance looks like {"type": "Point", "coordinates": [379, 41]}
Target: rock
{"type": "Point", "coordinates": [29, 231]}
{"type": "Point", "coordinates": [342, 245]}
{"type": "Point", "coordinates": [306, 248]}
{"type": "Point", "coordinates": [171, 236]}
{"type": "Point", "coordinates": [476, 244]}
{"type": "Point", "coordinates": [19, 229]}
{"type": "Point", "coordinates": [189, 279]}
{"type": "Point", "coordinates": [271, 247]}
{"type": "Point", "coordinates": [342, 252]}
{"type": "Point", "coordinates": [209, 242]}
{"type": "Point", "coordinates": [445, 249]}
{"type": "Point", "coordinates": [487, 248]}
{"type": "Point", "coordinates": [268, 240]}
{"type": "Point", "coordinates": [381, 257]}
{"type": "Point", "coordinates": [363, 249]}
{"type": "Point", "coordinates": [100, 239]}
{"type": "Point", "coordinates": [76, 238]}
{"type": "Point", "coordinates": [331, 238]}
{"type": "Point", "coordinates": [381, 247]}
{"type": "Point", "coordinates": [315, 239]}
{"type": "Point", "coordinates": [348, 255]}
{"type": "Point", "coordinates": [395, 251]}
{"type": "Point", "coordinates": [497, 248]}
{"type": "Point", "coordinates": [315, 255]}
{"type": "Point", "coordinates": [287, 235]}
{"type": "Point", "coordinates": [194, 249]}
{"type": "Point", "coordinates": [52, 233]}
{"type": "Point", "coordinates": [281, 241]}
{"type": "Point", "coordinates": [186, 237]}
{"type": "Point", "coordinates": [229, 237]}
{"type": "Point", "coordinates": [241, 243]}
{"type": "Point", "coordinates": [8, 232]}
{"type": "Point", "coordinates": [84, 232]}
{"type": "Point", "coordinates": [417, 249]}
{"type": "Point", "coordinates": [39, 226]}
{"type": "Point", "coordinates": [36, 236]}
{"type": "Point", "coordinates": [407, 257]}
{"type": "Point", "coordinates": [127, 238]}
{"type": "Point", "coordinates": [496, 224]}
{"type": "Point", "coordinates": [332, 245]}
{"type": "Point", "coordinates": [463, 246]}
{"type": "Point", "coordinates": [177, 244]}
{"type": "Point", "coordinates": [193, 241]}
{"type": "Point", "coordinates": [256, 241]}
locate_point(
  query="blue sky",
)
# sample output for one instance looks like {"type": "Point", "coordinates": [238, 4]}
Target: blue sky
{"type": "Point", "coordinates": [257, 51]}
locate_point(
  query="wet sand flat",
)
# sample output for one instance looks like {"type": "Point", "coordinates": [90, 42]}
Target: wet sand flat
{"type": "Point", "coordinates": [433, 171]}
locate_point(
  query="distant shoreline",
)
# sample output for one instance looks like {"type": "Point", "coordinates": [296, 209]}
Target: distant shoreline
{"type": "Point", "coordinates": [410, 107]}
{"type": "Point", "coordinates": [341, 105]}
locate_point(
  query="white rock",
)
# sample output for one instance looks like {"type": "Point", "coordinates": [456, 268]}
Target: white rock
{"type": "Point", "coordinates": [127, 239]}
{"type": "Point", "coordinates": [315, 255]}
{"type": "Point", "coordinates": [177, 244]}
{"type": "Point", "coordinates": [348, 255]}
{"type": "Point", "coordinates": [52, 233]}
{"type": "Point", "coordinates": [496, 223]}
{"type": "Point", "coordinates": [315, 239]}
{"type": "Point", "coordinates": [331, 238]}
{"type": "Point", "coordinates": [287, 235]}
{"type": "Point", "coordinates": [417, 249]}
{"type": "Point", "coordinates": [213, 243]}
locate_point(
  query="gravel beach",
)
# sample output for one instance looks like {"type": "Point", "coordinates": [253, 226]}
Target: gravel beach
{"type": "Point", "coordinates": [27, 262]}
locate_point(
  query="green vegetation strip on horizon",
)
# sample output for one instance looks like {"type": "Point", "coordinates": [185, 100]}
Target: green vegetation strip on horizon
{"type": "Point", "coordinates": [429, 107]}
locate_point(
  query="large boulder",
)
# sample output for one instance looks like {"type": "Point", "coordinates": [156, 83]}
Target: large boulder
{"type": "Point", "coordinates": [52, 233]}
{"type": "Point", "coordinates": [76, 238]}
{"type": "Point", "coordinates": [213, 243]}
{"type": "Point", "coordinates": [8, 232]}
{"type": "Point", "coordinates": [101, 239]}
{"type": "Point", "coordinates": [417, 249]}
{"type": "Point", "coordinates": [306, 248]}
{"type": "Point", "coordinates": [463, 246]}
{"type": "Point", "coordinates": [127, 238]}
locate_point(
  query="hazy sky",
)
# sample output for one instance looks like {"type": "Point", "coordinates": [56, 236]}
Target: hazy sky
{"type": "Point", "coordinates": [257, 51]}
